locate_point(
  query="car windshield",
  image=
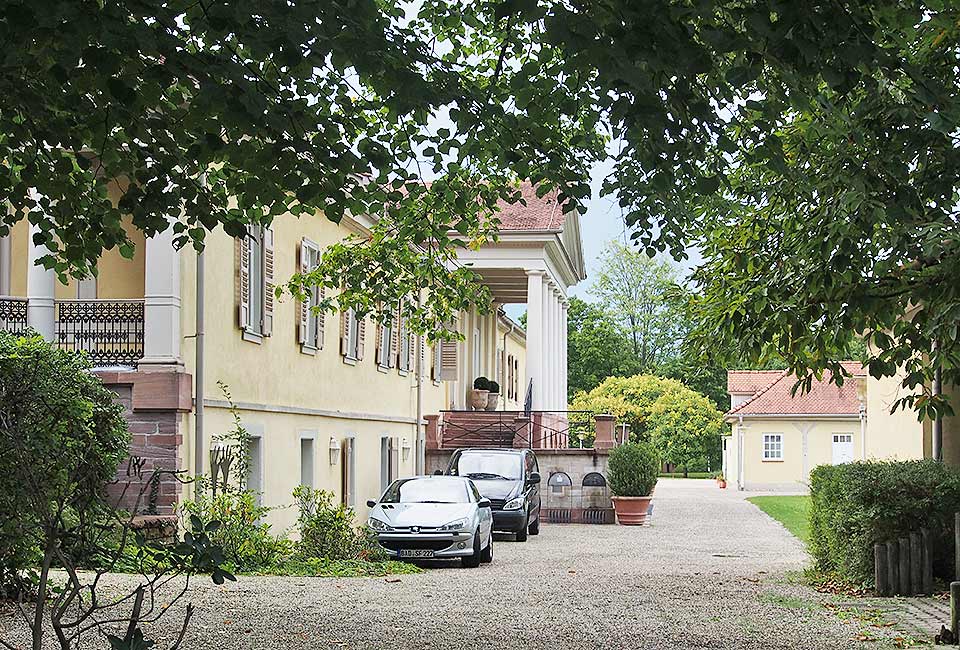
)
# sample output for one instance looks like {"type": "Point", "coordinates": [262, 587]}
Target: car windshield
{"type": "Point", "coordinates": [483, 466]}
{"type": "Point", "coordinates": [427, 490]}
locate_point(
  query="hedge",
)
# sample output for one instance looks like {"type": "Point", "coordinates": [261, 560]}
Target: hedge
{"type": "Point", "coordinates": [855, 505]}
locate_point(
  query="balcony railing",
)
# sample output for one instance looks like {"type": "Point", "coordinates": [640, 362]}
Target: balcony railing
{"type": "Point", "coordinates": [13, 314]}
{"type": "Point", "coordinates": [110, 331]}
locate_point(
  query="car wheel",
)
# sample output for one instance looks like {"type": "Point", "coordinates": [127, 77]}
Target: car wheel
{"type": "Point", "coordinates": [486, 555]}
{"type": "Point", "coordinates": [534, 528]}
{"type": "Point", "coordinates": [473, 561]}
{"type": "Point", "coordinates": [522, 533]}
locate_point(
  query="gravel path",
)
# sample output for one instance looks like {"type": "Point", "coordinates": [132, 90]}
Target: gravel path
{"type": "Point", "coordinates": [710, 571]}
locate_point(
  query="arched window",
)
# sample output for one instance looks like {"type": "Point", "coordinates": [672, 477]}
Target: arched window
{"type": "Point", "coordinates": [594, 479]}
{"type": "Point", "coordinates": [558, 481]}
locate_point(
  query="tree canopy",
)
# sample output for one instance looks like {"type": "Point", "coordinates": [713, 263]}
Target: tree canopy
{"type": "Point", "coordinates": [596, 348]}
{"type": "Point", "coordinates": [808, 148]}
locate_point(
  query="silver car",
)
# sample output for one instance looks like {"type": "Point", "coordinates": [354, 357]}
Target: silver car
{"type": "Point", "coordinates": [427, 517]}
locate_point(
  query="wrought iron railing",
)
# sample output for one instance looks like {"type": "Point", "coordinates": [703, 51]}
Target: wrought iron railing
{"type": "Point", "coordinates": [536, 429]}
{"type": "Point", "coordinates": [13, 314]}
{"type": "Point", "coordinates": [110, 331]}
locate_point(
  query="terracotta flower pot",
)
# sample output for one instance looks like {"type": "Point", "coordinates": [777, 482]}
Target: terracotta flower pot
{"type": "Point", "coordinates": [722, 484]}
{"type": "Point", "coordinates": [493, 401]}
{"type": "Point", "coordinates": [631, 511]}
{"type": "Point", "coordinates": [477, 399]}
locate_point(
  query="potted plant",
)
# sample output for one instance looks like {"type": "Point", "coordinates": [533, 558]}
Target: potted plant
{"type": "Point", "coordinates": [493, 397]}
{"type": "Point", "coordinates": [632, 475]}
{"type": "Point", "coordinates": [477, 396]}
{"type": "Point", "coordinates": [721, 481]}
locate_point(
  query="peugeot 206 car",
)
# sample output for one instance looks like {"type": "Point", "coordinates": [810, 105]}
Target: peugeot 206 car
{"type": "Point", "coordinates": [427, 517]}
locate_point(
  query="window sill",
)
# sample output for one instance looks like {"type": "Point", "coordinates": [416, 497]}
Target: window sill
{"type": "Point", "coordinates": [350, 361]}
{"type": "Point", "coordinates": [308, 349]}
{"type": "Point", "coordinates": [772, 460]}
{"type": "Point", "coordinates": [252, 337]}
{"type": "Point", "coordinates": [402, 372]}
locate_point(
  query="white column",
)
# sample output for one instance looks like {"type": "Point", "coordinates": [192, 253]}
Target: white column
{"type": "Point", "coordinates": [41, 285]}
{"type": "Point", "coordinates": [554, 347]}
{"type": "Point", "coordinates": [563, 352]}
{"type": "Point", "coordinates": [535, 295]}
{"type": "Point", "coordinates": [559, 400]}
{"type": "Point", "coordinates": [161, 298]}
{"type": "Point", "coordinates": [547, 347]}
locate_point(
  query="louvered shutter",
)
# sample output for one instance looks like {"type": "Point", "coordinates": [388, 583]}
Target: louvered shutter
{"type": "Point", "coordinates": [449, 352]}
{"type": "Point", "coordinates": [422, 348]}
{"type": "Point", "coordinates": [412, 350]}
{"type": "Point", "coordinates": [344, 332]}
{"type": "Point", "coordinates": [304, 328]}
{"type": "Point", "coordinates": [268, 285]}
{"type": "Point", "coordinates": [378, 352]}
{"type": "Point", "coordinates": [321, 317]}
{"type": "Point", "coordinates": [243, 280]}
{"type": "Point", "coordinates": [361, 334]}
{"type": "Point", "coordinates": [395, 340]}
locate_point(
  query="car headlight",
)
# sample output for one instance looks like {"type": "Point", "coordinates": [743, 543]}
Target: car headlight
{"type": "Point", "coordinates": [459, 524]}
{"type": "Point", "coordinates": [380, 526]}
{"type": "Point", "coordinates": [514, 504]}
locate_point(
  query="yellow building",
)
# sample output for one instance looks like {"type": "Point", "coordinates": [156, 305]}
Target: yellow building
{"type": "Point", "coordinates": [330, 400]}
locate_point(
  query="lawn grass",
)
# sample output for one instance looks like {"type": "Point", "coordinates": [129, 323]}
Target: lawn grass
{"type": "Point", "coordinates": [690, 475]}
{"type": "Point", "coordinates": [791, 511]}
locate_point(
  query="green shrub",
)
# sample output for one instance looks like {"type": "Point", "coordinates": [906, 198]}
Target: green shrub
{"type": "Point", "coordinates": [855, 505]}
{"type": "Point", "coordinates": [246, 541]}
{"type": "Point", "coordinates": [633, 469]}
{"type": "Point", "coordinates": [327, 531]}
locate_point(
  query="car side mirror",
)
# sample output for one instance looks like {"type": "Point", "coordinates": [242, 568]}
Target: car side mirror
{"type": "Point", "coordinates": [371, 503]}
{"type": "Point", "coordinates": [484, 503]}
{"type": "Point", "coordinates": [438, 472]}
{"type": "Point", "coordinates": [534, 478]}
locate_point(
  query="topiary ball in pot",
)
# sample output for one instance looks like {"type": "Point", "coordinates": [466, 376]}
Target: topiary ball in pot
{"type": "Point", "coordinates": [477, 396]}
{"type": "Point", "coordinates": [481, 383]}
{"type": "Point", "coordinates": [632, 474]}
{"type": "Point", "coordinates": [493, 397]}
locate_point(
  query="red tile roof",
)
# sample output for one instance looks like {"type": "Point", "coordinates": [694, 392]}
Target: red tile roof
{"type": "Point", "coordinates": [542, 213]}
{"type": "Point", "coordinates": [748, 382]}
{"type": "Point", "coordinates": [823, 398]}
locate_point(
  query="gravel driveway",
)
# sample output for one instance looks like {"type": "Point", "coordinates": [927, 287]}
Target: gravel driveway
{"type": "Point", "coordinates": [708, 572]}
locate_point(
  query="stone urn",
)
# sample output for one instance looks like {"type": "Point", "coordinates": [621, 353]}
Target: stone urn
{"type": "Point", "coordinates": [493, 401]}
{"type": "Point", "coordinates": [631, 511]}
{"type": "Point", "coordinates": [478, 398]}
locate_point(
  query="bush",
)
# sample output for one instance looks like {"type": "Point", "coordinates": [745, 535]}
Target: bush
{"type": "Point", "coordinates": [246, 541]}
{"type": "Point", "coordinates": [856, 505]}
{"type": "Point", "coordinates": [494, 387]}
{"type": "Point", "coordinates": [633, 469]}
{"type": "Point", "coordinates": [327, 531]}
{"type": "Point", "coordinates": [481, 383]}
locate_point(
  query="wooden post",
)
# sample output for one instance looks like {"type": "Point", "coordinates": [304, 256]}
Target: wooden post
{"type": "Point", "coordinates": [880, 569]}
{"type": "Point", "coordinates": [956, 546]}
{"type": "Point", "coordinates": [893, 568]}
{"type": "Point", "coordinates": [916, 564]}
{"type": "Point", "coordinates": [926, 539]}
{"type": "Point", "coordinates": [904, 558]}
{"type": "Point", "coordinates": [954, 607]}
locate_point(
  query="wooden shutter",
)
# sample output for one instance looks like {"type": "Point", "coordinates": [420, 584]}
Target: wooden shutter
{"type": "Point", "coordinates": [449, 351]}
{"type": "Point", "coordinates": [361, 334]}
{"type": "Point", "coordinates": [395, 340]}
{"type": "Point", "coordinates": [412, 356]}
{"type": "Point", "coordinates": [344, 332]}
{"type": "Point", "coordinates": [268, 286]}
{"type": "Point", "coordinates": [321, 317]}
{"type": "Point", "coordinates": [304, 327]}
{"type": "Point", "coordinates": [243, 280]}
{"type": "Point", "coordinates": [378, 352]}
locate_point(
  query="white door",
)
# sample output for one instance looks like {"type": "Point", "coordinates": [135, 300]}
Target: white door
{"type": "Point", "coordinates": [842, 448]}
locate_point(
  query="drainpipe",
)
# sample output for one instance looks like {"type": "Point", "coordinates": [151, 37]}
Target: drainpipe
{"type": "Point", "coordinates": [863, 431]}
{"type": "Point", "coordinates": [936, 389]}
{"type": "Point", "coordinates": [198, 378]}
{"type": "Point", "coordinates": [740, 481]}
{"type": "Point", "coordinates": [421, 459]}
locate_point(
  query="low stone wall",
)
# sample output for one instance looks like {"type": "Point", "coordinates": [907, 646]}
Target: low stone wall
{"type": "Point", "coordinates": [574, 483]}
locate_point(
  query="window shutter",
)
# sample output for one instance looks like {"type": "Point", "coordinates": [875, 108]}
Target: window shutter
{"type": "Point", "coordinates": [393, 361]}
{"type": "Point", "coordinates": [412, 352]}
{"type": "Point", "coordinates": [243, 280]}
{"type": "Point", "coordinates": [344, 332]}
{"type": "Point", "coordinates": [321, 318]}
{"type": "Point", "coordinates": [361, 332]}
{"type": "Point", "coordinates": [267, 281]}
{"type": "Point", "coordinates": [378, 351]}
{"type": "Point", "coordinates": [304, 327]}
{"type": "Point", "coordinates": [422, 347]}
{"type": "Point", "coordinates": [448, 360]}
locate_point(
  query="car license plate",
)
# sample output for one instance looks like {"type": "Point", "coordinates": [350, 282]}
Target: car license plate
{"type": "Point", "coordinates": [415, 552]}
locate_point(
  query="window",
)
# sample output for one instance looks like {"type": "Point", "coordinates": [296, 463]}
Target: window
{"type": "Point", "coordinates": [488, 465]}
{"type": "Point", "coordinates": [348, 472]}
{"type": "Point", "coordinates": [516, 379]}
{"type": "Point", "coordinates": [255, 253]}
{"type": "Point", "coordinates": [406, 361]}
{"type": "Point", "coordinates": [306, 461]}
{"type": "Point", "coordinates": [351, 335]}
{"type": "Point", "coordinates": [386, 343]}
{"type": "Point", "coordinates": [435, 370]}
{"type": "Point", "coordinates": [508, 383]}
{"type": "Point", "coordinates": [428, 489]}
{"type": "Point", "coordinates": [772, 446]}
{"type": "Point", "coordinates": [388, 462]}
{"type": "Point", "coordinates": [255, 467]}
{"type": "Point", "coordinates": [311, 319]}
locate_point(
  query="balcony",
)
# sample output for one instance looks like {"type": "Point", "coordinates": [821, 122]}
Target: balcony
{"type": "Point", "coordinates": [109, 331]}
